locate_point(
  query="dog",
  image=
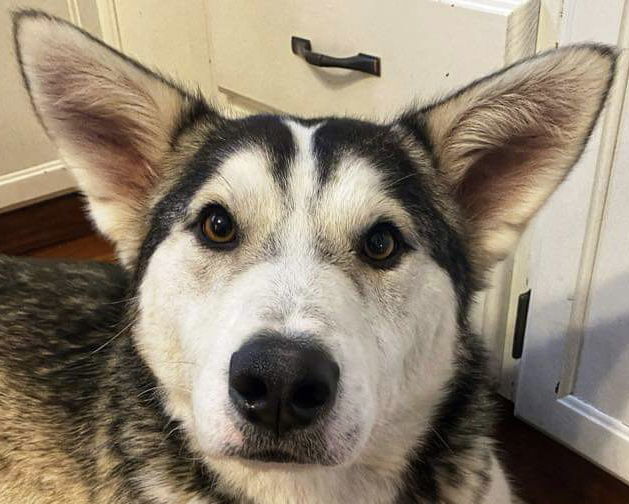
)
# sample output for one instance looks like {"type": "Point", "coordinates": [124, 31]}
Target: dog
{"type": "Point", "coordinates": [288, 322]}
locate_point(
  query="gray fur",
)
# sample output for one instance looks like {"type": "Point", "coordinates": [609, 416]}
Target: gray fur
{"type": "Point", "coordinates": [80, 413]}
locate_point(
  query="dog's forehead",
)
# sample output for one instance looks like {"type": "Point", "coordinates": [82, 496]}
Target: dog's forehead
{"type": "Point", "coordinates": [334, 167]}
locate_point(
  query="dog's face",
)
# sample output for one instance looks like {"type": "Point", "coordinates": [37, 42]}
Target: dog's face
{"type": "Point", "coordinates": [274, 242]}
{"type": "Point", "coordinates": [302, 285]}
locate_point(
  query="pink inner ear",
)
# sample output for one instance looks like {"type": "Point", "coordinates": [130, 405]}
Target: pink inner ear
{"type": "Point", "coordinates": [98, 122]}
{"type": "Point", "coordinates": [502, 176]}
{"type": "Point", "coordinates": [123, 173]}
{"type": "Point", "coordinates": [106, 146]}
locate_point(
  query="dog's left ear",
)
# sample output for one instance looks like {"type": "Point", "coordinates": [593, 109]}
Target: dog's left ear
{"type": "Point", "coordinates": [504, 143]}
{"type": "Point", "coordinates": [112, 119]}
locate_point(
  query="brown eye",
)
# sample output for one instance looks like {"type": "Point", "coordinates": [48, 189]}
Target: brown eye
{"type": "Point", "coordinates": [218, 226]}
{"type": "Point", "coordinates": [380, 243]}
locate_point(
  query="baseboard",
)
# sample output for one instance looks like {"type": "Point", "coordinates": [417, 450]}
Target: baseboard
{"type": "Point", "coordinates": [35, 184]}
{"type": "Point", "coordinates": [43, 224]}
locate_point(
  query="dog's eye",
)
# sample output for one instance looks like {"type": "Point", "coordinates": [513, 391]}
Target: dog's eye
{"type": "Point", "coordinates": [381, 243]}
{"type": "Point", "coordinates": [218, 226]}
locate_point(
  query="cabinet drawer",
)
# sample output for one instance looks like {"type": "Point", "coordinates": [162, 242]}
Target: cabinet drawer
{"type": "Point", "coordinates": [426, 48]}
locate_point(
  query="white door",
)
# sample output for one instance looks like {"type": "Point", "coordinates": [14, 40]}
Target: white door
{"type": "Point", "coordinates": [574, 377]}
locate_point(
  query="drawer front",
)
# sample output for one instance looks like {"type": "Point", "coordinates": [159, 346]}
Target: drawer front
{"type": "Point", "coordinates": [426, 48]}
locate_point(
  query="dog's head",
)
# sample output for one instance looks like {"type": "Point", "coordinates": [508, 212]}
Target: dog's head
{"type": "Point", "coordinates": [302, 283]}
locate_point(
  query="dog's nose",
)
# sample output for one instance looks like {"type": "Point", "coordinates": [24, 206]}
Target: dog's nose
{"type": "Point", "coordinates": [281, 384]}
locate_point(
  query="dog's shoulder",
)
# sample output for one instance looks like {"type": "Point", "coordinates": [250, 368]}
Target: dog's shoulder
{"type": "Point", "coordinates": [35, 292]}
{"type": "Point", "coordinates": [55, 317]}
{"type": "Point", "coordinates": [56, 311]}
{"type": "Point", "coordinates": [27, 281]}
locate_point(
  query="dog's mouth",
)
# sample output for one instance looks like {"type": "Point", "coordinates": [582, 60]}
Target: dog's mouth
{"type": "Point", "coordinates": [275, 457]}
{"type": "Point", "coordinates": [272, 456]}
{"type": "Point", "coordinates": [296, 447]}
{"type": "Point", "coordinates": [279, 455]}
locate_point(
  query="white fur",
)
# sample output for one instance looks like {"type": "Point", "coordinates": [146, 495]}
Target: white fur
{"type": "Point", "coordinates": [499, 490]}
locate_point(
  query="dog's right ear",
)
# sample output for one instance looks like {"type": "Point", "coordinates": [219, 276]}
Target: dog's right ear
{"type": "Point", "coordinates": [112, 119]}
{"type": "Point", "coordinates": [503, 144]}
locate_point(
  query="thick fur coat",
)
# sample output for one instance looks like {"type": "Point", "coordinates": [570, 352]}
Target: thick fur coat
{"type": "Point", "coordinates": [354, 246]}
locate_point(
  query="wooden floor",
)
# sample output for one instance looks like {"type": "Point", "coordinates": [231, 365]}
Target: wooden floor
{"type": "Point", "coordinates": [543, 471]}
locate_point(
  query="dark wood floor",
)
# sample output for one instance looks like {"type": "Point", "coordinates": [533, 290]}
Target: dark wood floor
{"type": "Point", "coordinates": [546, 472]}
{"type": "Point", "coordinates": [543, 471]}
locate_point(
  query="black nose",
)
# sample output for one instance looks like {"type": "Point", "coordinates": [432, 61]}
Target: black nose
{"type": "Point", "coordinates": [281, 384]}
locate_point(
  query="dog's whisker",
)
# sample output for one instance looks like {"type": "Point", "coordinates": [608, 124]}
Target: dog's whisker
{"type": "Point", "coordinates": [440, 437]}
{"type": "Point", "coordinates": [125, 328]}
{"type": "Point", "coordinates": [123, 301]}
{"type": "Point", "coordinates": [393, 183]}
{"type": "Point", "coordinates": [171, 432]}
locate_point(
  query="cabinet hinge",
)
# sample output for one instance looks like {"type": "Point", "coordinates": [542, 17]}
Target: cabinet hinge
{"type": "Point", "coordinates": [520, 324]}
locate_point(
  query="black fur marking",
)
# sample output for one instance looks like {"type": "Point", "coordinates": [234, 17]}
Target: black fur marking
{"type": "Point", "coordinates": [415, 122]}
{"type": "Point", "coordinates": [198, 111]}
{"type": "Point", "coordinates": [228, 136]}
{"type": "Point", "coordinates": [328, 142]}
{"type": "Point", "coordinates": [464, 415]}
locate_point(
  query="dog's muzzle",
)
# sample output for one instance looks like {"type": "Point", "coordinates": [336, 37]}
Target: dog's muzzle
{"type": "Point", "coordinates": [279, 385]}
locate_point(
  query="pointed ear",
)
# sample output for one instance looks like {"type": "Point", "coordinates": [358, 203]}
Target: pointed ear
{"type": "Point", "coordinates": [503, 144]}
{"type": "Point", "coordinates": [112, 119]}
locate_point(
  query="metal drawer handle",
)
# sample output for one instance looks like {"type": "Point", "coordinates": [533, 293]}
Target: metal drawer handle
{"type": "Point", "coordinates": [361, 62]}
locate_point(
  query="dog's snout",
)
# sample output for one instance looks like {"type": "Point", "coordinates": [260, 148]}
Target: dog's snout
{"type": "Point", "coordinates": [281, 384]}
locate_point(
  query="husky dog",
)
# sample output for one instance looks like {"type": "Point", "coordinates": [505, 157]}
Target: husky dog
{"type": "Point", "coordinates": [289, 323]}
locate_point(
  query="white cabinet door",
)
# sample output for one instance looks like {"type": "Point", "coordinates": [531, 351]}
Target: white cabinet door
{"type": "Point", "coordinates": [574, 377]}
